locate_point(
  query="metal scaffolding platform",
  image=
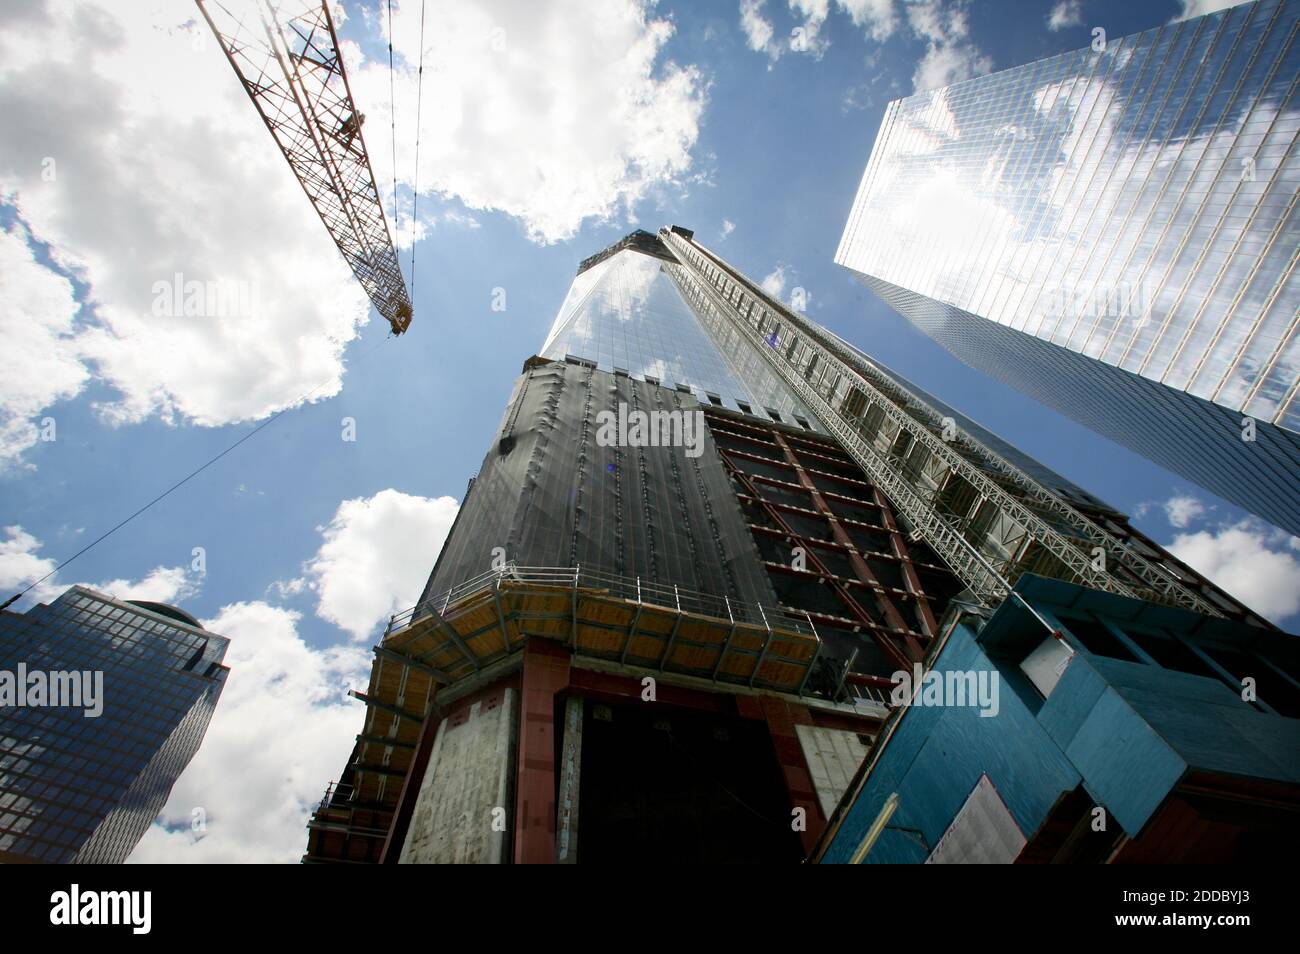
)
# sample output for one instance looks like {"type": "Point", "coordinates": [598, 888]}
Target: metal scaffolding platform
{"type": "Point", "coordinates": [471, 631]}
{"type": "Point", "coordinates": [988, 520]}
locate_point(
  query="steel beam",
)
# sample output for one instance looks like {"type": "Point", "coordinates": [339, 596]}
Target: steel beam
{"type": "Point", "coordinates": [966, 559]}
{"type": "Point", "coordinates": [437, 675]}
{"type": "Point", "coordinates": [382, 706]}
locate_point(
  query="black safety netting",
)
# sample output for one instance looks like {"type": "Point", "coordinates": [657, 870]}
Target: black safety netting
{"type": "Point", "coordinates": [553, 491]}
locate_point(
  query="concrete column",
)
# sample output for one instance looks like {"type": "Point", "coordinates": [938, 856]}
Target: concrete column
{"type": "Point", "coordinates": [781, 718]}
{"type": "Point", "coordinates": [462, 811]}
{"type": "Point", "coordinates": [570, 780]}
{"type": "Point", "coordinates": [401, 822]}
{"type": "Point", "coordinates": [545, 672]}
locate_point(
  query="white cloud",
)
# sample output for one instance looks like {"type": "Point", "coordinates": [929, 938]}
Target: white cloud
{"type": "Point", "coordinates": [1182, 510]}
{"type": "Point", "coordinates": [163, 584]}
{"type": "Point", "coordinates": [876, 18]}
{"type": "Point", "coordinates": [37, 308]}
{"type": "Point", "coordinates": [555, 113]}
{"type": "Point", "coordinates": [281, 731]}
{"type": "Point", "coordinates": [132, 178]}
{"type": "Point", "coordinates": [1066, 13]}
{"type": "Point", "coordinates": [945, 64]}
{"type": "Point", "coordinates": [19, 563]}
{"type": "Point", "coordinates": [757, 28]}
{"type": "Point", "coordinates": [774, 282]}
{"type": "Point", "coordinates": [806, 36]}
{"type": "Point", "coordinates": [131, 149]}
{"type": "Point", "coordinates": [941, 24]}
{"type": "Point", "coordinates": [1196, 8]}
{"type": "Point", "coordinates": [949, 56]}
{"type": "Point", "coordinates": [376, 556]}
{"type": "Point", "coordinates": [1255, 563]}
{"type": "Point", "coordinates": [728, 227]}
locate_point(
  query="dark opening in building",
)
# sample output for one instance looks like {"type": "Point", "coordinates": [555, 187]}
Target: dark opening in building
{"type": "Point", "coordinates": [680, 785]}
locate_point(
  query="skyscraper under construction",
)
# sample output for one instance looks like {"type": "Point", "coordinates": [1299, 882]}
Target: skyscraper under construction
{"type": "Point", "coordinates": [703, 538]}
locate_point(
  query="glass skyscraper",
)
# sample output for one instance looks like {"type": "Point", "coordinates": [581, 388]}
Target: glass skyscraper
{"type": "Point", "coordinates": [1114, 232]}
{"type": "Point", "coordinates": [82, 783]}
{"type": "Point", "coordinates": [624, 312]}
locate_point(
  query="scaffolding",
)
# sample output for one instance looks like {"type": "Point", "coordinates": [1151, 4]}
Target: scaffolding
{"type": "Point", "coordinates": [985, 517]}
{"type": "Point", "coordinates": [472, 632]}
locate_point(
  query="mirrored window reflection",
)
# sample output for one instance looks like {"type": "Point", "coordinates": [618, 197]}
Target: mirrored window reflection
{"type": "Point", "coordinates": [73, 787]}
{"type": "Point", "coordinates": [625, 313]}
{"type": "Point", "coordinates": [1135, 205]}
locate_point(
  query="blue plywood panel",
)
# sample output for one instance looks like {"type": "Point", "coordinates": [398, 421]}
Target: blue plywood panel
{"type": "Point", "coordinates": [935, 759]}
{"type": "Point", "coordinates": [1070, 704]}
{"type": "Point", "coordinates": [1028, 770]}
{"type": "Point", "coordinates": [1275, 739]}
{"type": "Point", "coordinates": [896, 847]}
{"type": "Point", "coordinates": [1128, 732]}
{"type": "Point", "coordinates": [1212, 738]}
{"type": "Point", "coordinates": [1127, 767]}
{"type": "Point", "coordinates": [1192, 688]}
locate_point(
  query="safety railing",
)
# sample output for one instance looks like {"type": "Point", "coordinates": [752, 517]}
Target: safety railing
{"type": "Point", "coordinates": [631, 588]}
{"type": "Point", "coordinates": [336, 792]}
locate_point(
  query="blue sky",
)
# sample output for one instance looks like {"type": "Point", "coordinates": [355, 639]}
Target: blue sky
{"type": "Point", "coordinates": [584, 125]}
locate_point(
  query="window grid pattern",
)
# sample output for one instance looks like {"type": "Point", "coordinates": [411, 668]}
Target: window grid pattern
{"type": "Point", "coordinates": [83, 789]}
{"type": "Point", "coordinates": [1136, 205]}
{"type": "Point", "coordinates": [625, 314]}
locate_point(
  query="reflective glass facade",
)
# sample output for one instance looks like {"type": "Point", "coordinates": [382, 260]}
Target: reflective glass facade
{"type": "Point", "coordinates": [624, 313]}
{"type": "Point", "coordinates": [1115, 232]}
{"type": "Point", "coordinates": [991, 513]}
{"type": "Point", "coordinates": [79, 789]}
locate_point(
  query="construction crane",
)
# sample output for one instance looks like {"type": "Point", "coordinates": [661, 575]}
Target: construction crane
{"type": "Point", "coordinates": [286, 54]}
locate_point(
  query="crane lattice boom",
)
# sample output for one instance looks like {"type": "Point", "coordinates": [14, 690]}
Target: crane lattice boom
{"type": "Point", "coordinates": [285, 52]}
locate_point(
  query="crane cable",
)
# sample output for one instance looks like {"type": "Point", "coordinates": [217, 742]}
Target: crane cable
{"type": "Point", "coordinates": [180, 483]}
{"type": "Point", "coordinates": [392, 108]}
{"type": "Point", "coordinates": [419, 108]}
{"type": "Point", "coordinates": [275, 417]}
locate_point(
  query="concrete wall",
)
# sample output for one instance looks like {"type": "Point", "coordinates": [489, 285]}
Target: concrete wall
{"type": "Point", "coordinates": [833, 755]}
{"type": "Point", "coordinates": [465, 806]}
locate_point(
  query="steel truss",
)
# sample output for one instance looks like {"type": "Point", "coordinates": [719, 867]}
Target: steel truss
{"type": "Point", "coordinates": [895, 637]}
{"type": "Point", "coordinates": [711, 283]}
{"type": "Point", "coordinates": [286, 55]}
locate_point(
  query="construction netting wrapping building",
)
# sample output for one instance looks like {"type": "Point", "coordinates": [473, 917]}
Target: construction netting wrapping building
{"type": "Point", "coordinates": [704, 536]}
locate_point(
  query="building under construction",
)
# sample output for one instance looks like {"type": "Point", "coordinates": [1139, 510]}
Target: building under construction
{"type": "Point", "coordinates": [704, 537]}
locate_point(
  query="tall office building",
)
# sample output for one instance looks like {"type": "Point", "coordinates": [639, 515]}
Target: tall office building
{"type": "Point", "coordinates": [103, 703]}
{"type": "Point", "coordinates": [1114, 232]}
{"type": "Point", "coordinates": [705, 534]}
